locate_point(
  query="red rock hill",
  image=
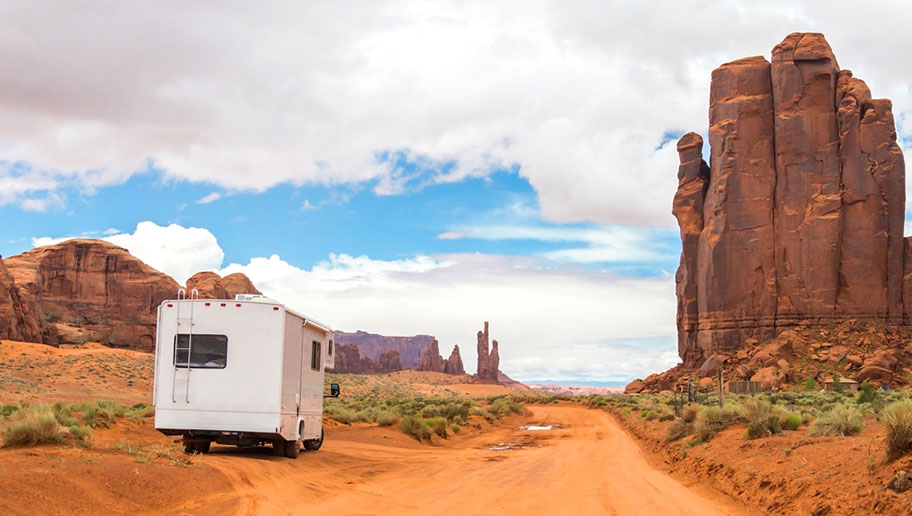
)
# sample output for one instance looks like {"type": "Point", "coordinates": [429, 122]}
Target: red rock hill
{"type": "Point", "coordinates": [87, 290]}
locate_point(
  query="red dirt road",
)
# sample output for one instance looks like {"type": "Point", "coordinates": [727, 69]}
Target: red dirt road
{"type": "Point", "coordinates": [588, 466]}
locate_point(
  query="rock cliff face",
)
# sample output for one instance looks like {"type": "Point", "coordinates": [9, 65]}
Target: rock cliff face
{"type": "Point", "coordinates": [411, 349]}
{"type": "Point", "coordinates": [212, 286]}
{"type": "Point", "coordinates": [91, 290]}
{"type": "Point", "coordinates": [488, 361]}
{"type": "Point", "coordinates": [349, 360]}
{"type": "Point", "coordinates": [432, 361]}
{"type": "Point", "coordinates": [798, 219]}
{"type": "Point", "coordinates": [16, 320]}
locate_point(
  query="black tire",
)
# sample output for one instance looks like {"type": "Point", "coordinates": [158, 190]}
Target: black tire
{"type": "Point", "coordinates": [203, 447]}
{"type": "Point", "coordinates": [189, 447]}
{"type": "Point", "coordinates": [278, 447]}
{"type": "Point", "coordinates": [314, 444]}
{"type": "Point", "coordinates": [292, 448]}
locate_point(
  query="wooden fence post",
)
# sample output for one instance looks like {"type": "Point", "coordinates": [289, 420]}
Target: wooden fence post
{"type": "Point", "coordinates": [721, 390]}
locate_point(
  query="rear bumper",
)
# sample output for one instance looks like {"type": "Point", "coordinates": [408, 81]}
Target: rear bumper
{"type": "Point", "coordinates": [178, 421]}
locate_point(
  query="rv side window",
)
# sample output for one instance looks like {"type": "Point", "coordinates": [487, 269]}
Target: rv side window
{"type": "Point", "coordinates": [315, 356]}
{"type": "Point", "coordinates": [330, 348]}
{"type": "Point", "coordinates": [202, 351]}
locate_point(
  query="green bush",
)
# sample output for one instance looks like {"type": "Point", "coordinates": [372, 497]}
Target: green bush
{"type": "Point", "coordinates": [810, 384]}
{"type": "Point", "coordinates": [438, 426]}
{"type": "Point", "coordinates": [415, 427]}
{"type": "Point", "coordinates": [386, 418]}
{"type": "Point", "coordinates": [897, 419]}
{"type": "Point", "coordinates": [8, 410]}
{"type": "Point", "coordinates": [793, 421]}
{"type": "Point", "coordinates": [867, 394]}
{"type": "Point", "coordinates": [34, 427]}
{"type": "Point", "coordinates": [456, 428]}
{"type": "Point", "coordinates": [840, 420]}
{"type": "Point", "coordinates": [763, 419]}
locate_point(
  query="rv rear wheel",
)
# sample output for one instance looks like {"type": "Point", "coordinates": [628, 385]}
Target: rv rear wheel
{"type": "Point", "coordinates": [314, 444]}
{"type": "Point", "coordinates": [292, 448]}
{"type": "Point", "coordinates": [203, 447]}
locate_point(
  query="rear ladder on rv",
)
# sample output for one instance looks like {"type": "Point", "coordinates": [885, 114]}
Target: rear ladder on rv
{"type": "Point", "coordinates": [180, 383]}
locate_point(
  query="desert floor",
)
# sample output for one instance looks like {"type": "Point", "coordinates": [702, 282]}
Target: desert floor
{"type": "Point", "coordinates": [585, 464]}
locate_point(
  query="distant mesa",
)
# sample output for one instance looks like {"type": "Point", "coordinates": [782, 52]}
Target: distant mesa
{"type": "Point", "coordinates": [91, 290]}
{"type": "Point", "coordinates": [797, 221]}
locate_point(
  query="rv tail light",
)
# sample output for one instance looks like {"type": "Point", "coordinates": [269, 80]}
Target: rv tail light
{"type": "Point", "coordinates": [170, 305]}
{"type": "Point", "coordinates": [207, 304]}
{"type": "Point", "coordinates": [223, 304]}
{"type": "Point", "coordinates": [237, 305]}
{"type": "Point", "coordinates": [275, 308]}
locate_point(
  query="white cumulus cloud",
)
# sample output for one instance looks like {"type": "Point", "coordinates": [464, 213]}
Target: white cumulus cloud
{"type": "Point", "coordinates": [582, 97]}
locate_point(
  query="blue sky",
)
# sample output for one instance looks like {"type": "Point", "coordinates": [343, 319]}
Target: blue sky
{"type": "Point", "coordinates": [402, 167]}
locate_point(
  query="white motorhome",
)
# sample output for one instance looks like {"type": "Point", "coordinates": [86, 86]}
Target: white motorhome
{"type": "Point", "coordinates": [246, 372]}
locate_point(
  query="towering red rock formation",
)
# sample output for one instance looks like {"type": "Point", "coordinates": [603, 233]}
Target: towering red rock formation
{"type": "Point", "coordinates": [693, 179]}
{"type": "Point", "coordinates": [16, 320]}
{"type": "Point", "coordinates": [454, 363]}
{"type": "Point", "coordinates": [92, 290]}
{"type": "Point", "coordinates": [802, 218]}
{"type": "Point", "coordinates": [432, 361]}
{"type": "Point", "coordinates": [488, 361]}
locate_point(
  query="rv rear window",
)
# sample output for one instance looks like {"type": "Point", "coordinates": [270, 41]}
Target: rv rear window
{"type": "Point", "coordinates": [202, 351]}
{"type": "Point", "coordinates": [315, 356]}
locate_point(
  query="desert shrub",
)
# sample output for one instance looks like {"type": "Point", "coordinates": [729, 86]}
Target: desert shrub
{"type": "Point", "coordinates": [438, 426]}
{"type": "Point", "coordinates": [63, 415]}
{"type": "Point", "coordinates": [793, 421]}
{"type": "Point", "coordinates": [505, 406]}
{"type": "Point", "coordinates": [343, 415]}
{"type": "Point", "coordinates": [678, 429]}
{"type": "Point", "coordinates": [897, 419]}
{"type": "Point", "coordinates": [140, 411]}
{"type": "Point", "coordinates": [689, 414]}
{"type": "Point", "coordinates": [867, 393]}
{"type": "Point", "coordinates": [810, 384]}
{"type": "Point", "coordinates": [711, 420]}
{"type": "Point", "coordinates": [8, 410]}
{"type": "Point", "coordinates": [456, 428]}
{"type": "Point", "coordinates": [840, 420]}
{"type": "Point", "coordinates": [386, 418]}
{"type": "Point", "coordinates": [415, 427]}
{"type": "Point", "coordinates": [763, 419]}
{"type": "Point", "coordinates": [33, 427]}
{"type": "Point", "coordinates": [80, 433]}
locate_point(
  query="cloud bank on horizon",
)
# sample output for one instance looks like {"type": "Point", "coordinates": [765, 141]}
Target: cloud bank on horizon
{"type": "Point", "coordinates": [230, 105]}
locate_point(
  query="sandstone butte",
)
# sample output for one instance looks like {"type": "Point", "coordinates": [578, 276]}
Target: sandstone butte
{"type": "Point", "coordinates": [797, 221]}
{"type": "Point", "coordinates": [488, 361]}
{"type": "Point", "coordinates": [91, 290]}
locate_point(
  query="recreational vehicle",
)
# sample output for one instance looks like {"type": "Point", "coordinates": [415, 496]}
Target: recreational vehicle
{"type": "Point", "coordinates": [246, 372]}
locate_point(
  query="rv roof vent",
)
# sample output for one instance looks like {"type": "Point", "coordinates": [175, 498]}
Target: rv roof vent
{"type": "Point", "coordinates": [247, 297]}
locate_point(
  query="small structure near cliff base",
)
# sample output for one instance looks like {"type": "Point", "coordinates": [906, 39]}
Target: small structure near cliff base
{"type": "Point", "coordinates": [795, 225]}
